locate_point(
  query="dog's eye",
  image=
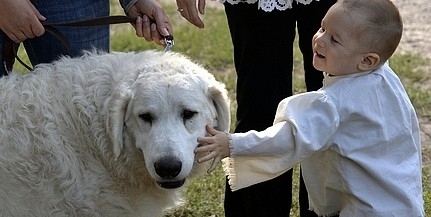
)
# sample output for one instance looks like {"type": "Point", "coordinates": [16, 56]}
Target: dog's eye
{"type": "Point", "coordinates": [187, 114]}
{"type": "Point", "coordinates": [146, 117]}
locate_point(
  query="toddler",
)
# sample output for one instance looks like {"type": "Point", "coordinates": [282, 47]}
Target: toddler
{"type": "Point", "coordinates": [357, 138]}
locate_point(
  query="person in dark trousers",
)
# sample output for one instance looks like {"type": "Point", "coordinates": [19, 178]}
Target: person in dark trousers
{"type": "Point", "coordinates": [263, 35]}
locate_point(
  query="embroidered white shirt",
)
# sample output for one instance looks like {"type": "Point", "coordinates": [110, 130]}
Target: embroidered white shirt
{"type": "Point", "coordinates": [270, 5]}
{"type": "Point", "coordinates": [357, 140]}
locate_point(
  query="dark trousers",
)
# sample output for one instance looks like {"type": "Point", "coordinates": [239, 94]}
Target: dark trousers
{"type": "Point", "coordinates": [263, 56]}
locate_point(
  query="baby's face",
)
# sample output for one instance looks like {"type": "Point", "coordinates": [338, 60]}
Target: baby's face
{"type": "Point", "coordinates": [336, 46]}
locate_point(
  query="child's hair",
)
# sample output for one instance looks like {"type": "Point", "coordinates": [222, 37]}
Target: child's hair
{"type": "Point", "coordinates": [383, 30]}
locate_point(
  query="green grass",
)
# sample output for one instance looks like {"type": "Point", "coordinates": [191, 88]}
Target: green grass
{"type": "Point", "coordinates": [414, 79]}
{"type": "Point", "coordinates": [212, 48]}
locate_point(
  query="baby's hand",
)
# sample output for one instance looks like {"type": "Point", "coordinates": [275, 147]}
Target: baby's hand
{"type": "Point", "coordinates": [217, 146]}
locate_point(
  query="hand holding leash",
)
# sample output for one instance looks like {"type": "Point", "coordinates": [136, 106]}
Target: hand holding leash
{"type": "Point", "coordinates": [152, 21]}
{"type": "Point", "coordinates": [10, 49]}
{"type": "Point", "coordinates": [20, 20]}
{"type": "Point", "coordinates": [169, 43]}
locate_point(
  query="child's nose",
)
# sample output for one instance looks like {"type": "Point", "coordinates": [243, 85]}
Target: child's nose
{"type": "Point", "coordinates": [319, 40]}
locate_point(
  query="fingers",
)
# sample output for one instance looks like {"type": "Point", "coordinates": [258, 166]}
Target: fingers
{"type": "Point", "coordinates": [188, 10]}
{"type": "Point", "coordinates": [37, 13]}
{"type": "Point", "coordinates": [16, 37]}
{"type": "Point", "coordinates": [20, 34]}
{"type": "Point", "coordinates": [147, 29]}
{"type": "Point", "coordinates": [205, 141]}
{"type": "Point", "coordinates": [204, 148]}
{"type": "Point", "coordinates": [142, 27]}
{"type": "Point", "coordinates": [139, 27]}
{"type": "Point", "coordinates": [156, 35]}
{"type": "Point", "coordinates": [20, 20]}
{"type": "Point", "coordinates": [37, 27]}
{"type": "Point", "coordinates": [37, 30]}
{"type": "Point", "coordinates": [212, 131]}
{"type": "Point", "coordinates": [215, 146]}
{"type": "Point", "coordinates": [152, 21]}
{"type": "Point", "coordinates": [210, 156]}
{"type": "Point", "coordinates": [213, 166]}
{"type": "Point", "coordinates": [201, 6]}
{"type": "Point", "coordinates": [163, 24]}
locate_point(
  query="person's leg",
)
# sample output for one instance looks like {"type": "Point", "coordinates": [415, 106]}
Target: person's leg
{"type": "Point", "coordinates": [47, 48]}
{"type": "Point", "coordinates": [309, 19]}
{"type": "Point", "coordinates": [2, 45]}
{"type": "Point", "coordinates": [263, 55]}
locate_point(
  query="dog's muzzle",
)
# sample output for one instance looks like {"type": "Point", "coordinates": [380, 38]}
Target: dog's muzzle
{"type": "Point", "coordinates": [168, 169]}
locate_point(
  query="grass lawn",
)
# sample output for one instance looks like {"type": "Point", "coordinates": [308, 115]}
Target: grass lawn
{"type": "Point", "coordinates": [212, 48]}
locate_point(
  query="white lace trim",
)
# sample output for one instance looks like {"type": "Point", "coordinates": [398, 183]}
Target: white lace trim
{"type": "Point", "coordinates": [270, 5]}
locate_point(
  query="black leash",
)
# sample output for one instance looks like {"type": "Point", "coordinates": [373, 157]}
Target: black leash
{"type": "Point", "coordinates": [10, 49]}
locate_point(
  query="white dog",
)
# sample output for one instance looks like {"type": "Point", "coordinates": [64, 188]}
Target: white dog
{"type": "Point", "coordinates": [104, 134]}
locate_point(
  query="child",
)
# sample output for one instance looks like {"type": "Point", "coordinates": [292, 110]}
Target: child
{"type": "Point", "coordinates": [357, 138]}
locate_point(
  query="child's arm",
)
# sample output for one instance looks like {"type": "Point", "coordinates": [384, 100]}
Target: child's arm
{"type": "Point", "coordinates": [216, 145]}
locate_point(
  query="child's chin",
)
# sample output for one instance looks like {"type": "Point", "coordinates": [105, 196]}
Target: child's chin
{"type": "Point", "coordinates": [317, 66]}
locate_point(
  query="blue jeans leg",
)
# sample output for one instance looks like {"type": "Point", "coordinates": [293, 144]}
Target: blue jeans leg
{"type": "Point", "coordinates": [47, 48]}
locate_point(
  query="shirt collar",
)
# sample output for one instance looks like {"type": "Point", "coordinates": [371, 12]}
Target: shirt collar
{"type": "Point", "coordinates": [329, 79]}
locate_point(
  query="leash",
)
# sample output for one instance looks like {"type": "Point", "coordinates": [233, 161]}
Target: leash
{"type": "Point", "coordinates": [10, 48]}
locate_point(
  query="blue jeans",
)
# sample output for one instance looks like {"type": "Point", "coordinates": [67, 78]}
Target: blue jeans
{"type": "Point", "coordinates": [47, 48]}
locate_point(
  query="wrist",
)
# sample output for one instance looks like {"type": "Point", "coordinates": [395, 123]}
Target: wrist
{"type": "Point", "coordinates": [229, 140]}
{"type": "Point", "coordinates": [127, 5]}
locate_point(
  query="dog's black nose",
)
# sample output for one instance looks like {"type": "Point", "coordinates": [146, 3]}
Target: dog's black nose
{"type": "Point", "coordinates": [168, 167]}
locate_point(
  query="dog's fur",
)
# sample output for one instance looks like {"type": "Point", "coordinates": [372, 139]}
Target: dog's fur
{"type": "Point", "coordinates": [104, 134]}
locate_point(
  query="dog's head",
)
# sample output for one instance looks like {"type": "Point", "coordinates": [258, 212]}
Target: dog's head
{"type": "Point", "coordinates": [163, 112]}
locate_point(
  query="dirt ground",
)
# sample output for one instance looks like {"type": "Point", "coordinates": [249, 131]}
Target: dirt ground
{"type": "Point", "coordinates": [417, 39]}
{"type": "Point", "coordinates": [417, 26]}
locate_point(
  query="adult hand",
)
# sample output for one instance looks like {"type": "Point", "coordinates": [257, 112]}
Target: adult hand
{"type": "Point", "coordinates": [147, 11]}
{"type": "Point", "coordinates": [188, 10]}
{"type": "Point", "coordinates": [19, 20]}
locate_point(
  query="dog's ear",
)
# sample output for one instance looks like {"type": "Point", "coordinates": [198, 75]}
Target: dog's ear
{"type": "Point", "coordinates": [219, 95]}
{"type": "Point", "coordinates": [115, 111]}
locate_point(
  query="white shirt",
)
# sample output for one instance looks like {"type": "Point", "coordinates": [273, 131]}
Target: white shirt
{"type": "Point", "coordinates": [357, 140]}
{"type": "Point", "coordinates": [270, 5]}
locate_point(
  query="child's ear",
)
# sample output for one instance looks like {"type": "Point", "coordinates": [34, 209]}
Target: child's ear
{"type": "Point", "coordinates": [369, 62]}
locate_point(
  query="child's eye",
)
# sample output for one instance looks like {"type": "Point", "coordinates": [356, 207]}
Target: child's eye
{"type": "Point", "coordinates": [334, 40]}
{"type": "Point", "coordinates": [321, 29]}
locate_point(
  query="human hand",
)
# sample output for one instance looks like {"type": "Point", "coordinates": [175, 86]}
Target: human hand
{"type": "Point", "coordinates": [19, 20]}
{"type": "Point", "coordinates": [188, 10]}
{"type": "Point", "coordinates": [217, 146]}
{"type": "Point", "coordinates": [145, 11]}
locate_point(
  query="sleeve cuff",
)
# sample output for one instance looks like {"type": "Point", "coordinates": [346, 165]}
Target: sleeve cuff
{"type": "Point", "coordinates": [127, 4]}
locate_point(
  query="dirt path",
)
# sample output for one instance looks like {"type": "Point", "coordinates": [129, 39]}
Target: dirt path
{"type": "Point", "coordinates": [417, 39]}
{"type": "Point", "coordinates": [417, 26]}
